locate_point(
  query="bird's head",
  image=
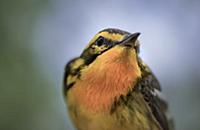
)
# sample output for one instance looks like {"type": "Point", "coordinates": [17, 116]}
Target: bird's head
{"type": "Point", "coordinates": [107, 39]}
{"type": "Point", "coordinates": [106, 69]}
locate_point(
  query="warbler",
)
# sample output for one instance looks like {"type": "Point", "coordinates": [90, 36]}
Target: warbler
{"type": "Point", "coordinates": [109, 87]}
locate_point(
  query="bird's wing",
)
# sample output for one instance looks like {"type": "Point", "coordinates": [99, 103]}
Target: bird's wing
{"type": "Point", "coordinates": [150, 88]}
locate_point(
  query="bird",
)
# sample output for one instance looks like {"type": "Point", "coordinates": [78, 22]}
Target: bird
{"type": "Point", "coordinates": [109, 87]}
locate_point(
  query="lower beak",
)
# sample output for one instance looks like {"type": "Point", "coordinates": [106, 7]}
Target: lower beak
{"type": "Point", "coordinates": [130, 40]}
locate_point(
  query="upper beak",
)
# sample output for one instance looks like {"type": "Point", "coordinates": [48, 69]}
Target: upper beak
{"type": "Point", "coordinates": [130, 40]}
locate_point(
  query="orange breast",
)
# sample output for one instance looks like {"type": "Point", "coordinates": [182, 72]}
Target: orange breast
{"type": "Point", "coordinates": [112, 74]}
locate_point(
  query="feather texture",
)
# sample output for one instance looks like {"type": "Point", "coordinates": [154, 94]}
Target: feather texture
{"type": "Point", "coordinates": [111, 88]}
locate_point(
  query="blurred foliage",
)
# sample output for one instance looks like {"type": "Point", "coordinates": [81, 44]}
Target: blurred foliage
{"type": "Point", "coordinates": [27, 95]}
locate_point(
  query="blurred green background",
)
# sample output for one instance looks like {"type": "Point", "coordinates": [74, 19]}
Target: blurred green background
{"type": "Point", "coordinates": [38, 37]}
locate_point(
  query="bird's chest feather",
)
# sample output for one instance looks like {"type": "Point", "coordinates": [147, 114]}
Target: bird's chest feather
{"type": "Point", "coordinates": [135, 116]}
{"type": "Point", "coordinates": [111, 75]}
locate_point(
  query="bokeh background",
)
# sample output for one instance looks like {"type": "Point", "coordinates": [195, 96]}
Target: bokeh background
{"type": "Point", "coordinates": [38, 37]}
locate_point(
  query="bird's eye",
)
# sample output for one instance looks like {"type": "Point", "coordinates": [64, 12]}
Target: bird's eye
{"type": "Point", "coordinates": [100, 41]}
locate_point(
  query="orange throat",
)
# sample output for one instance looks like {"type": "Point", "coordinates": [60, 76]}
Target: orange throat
{"type": "Point", "coordinates": [111, 75]}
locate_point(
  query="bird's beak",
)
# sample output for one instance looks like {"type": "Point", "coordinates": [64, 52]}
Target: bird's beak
{"type": "Point", "coordinates": [130, 40]}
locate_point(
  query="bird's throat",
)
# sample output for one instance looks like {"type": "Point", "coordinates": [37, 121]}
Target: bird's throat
{"type": "Point", "coordinates": [111, 75]}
